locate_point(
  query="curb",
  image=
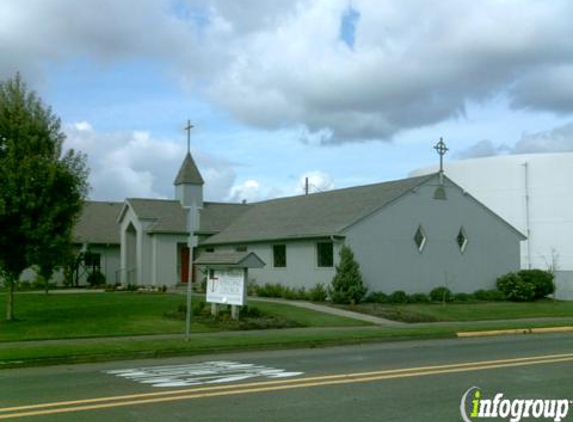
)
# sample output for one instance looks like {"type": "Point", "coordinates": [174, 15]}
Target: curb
{"type": "Point", "coordinates": [465, 334]}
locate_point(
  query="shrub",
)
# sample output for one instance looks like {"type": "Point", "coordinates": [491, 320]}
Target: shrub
{"type": "Point", "coordinates": [24, 285]}
{"type": "Point", "coordinates": [347, 285]}
{"type": "Point", "coordinates": [441, 294]}
{"type": "Point", "coordinates": [252, 287]}
{"type": "Point", "coordinates": [292, 294]}
{"type": "Point", "coordinates": [269, 290]}
{"type": "Point", "coordinates": [318, 293]}
{"type": "Point", "coordinates": [515, 289]}
{"type": "Point", "coordinates": [250, 312]}
{"type": "Point", "coordinates": [542, 281]}
{"type": "Point", "coordinates": [96, 278]}
{"type": "Point", "coordinates": [398, 296]}
{"type": "Point", "coordinates": [464, 297]}
{"type": "Point", "coordinates": [377, 297]}
{"type": "Point", "coordinates": [492, 295]}
{"type": "Point", "coordinates": [418, 298]}
{"type": "Point", "coordinates": [39, 282]}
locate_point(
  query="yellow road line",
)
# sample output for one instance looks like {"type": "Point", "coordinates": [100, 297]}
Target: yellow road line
{"type": "Point", "coordinates": [286, 381]}
{"type": "Point", "coordinates": [565, 329]}
{"type": "Point", "coordinates": [187, 394]}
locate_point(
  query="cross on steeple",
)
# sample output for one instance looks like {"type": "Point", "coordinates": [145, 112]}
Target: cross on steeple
{"type": "Point", "coordinates": [188, 129]}
{"type": "Point", "coordinates": [442, 149]}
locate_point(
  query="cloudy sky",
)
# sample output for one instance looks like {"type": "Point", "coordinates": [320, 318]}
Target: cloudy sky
{"type": "Point", "coordinates": [346, 92]}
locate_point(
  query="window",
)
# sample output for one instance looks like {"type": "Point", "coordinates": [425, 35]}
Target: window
{"type": "Point", "coordinates": [210, 250]}
{"type": "Point", "coordinates": [241, 248]}
{"type": "Point", "coordinates": [420, 238]}
{"type": "Point", "coordinates": [324, 254]}
{"type": "Point", "coordinates": [279, 256]}
{"type": "Point", "coordinates": [462, 239]}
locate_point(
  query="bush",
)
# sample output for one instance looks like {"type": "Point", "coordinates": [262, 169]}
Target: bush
{"type": "Point", "coordinates": [377, 297]}
{"type": "Point", "coordinates": [464, 297]}
{"type": "Point", "coordinates": [96, 279]}
{"type": "Point", "coordinates": [398, 296]}
{"type": "Point", "coordinates": [347, 285]}
{"type": "Point", "coordinates": [252, 287]}
{"type": "Point", "coordinates": [441, 294]}
{"type": "Point", "coordinates": [515, 289]}
{"type": "Point", "coordinates": [269, 290]}
{"type": "Point", "coordinates": [542, 281]}
{"type": "Point", "coordinates": [492, 295]}
{"type": "Point", "coordinates": [318, 293]}
{"type": "Point", "coordinates": [418, 298]}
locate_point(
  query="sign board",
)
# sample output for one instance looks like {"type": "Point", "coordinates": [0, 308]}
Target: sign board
{"type": "Point", "coordinates": [226, 286]}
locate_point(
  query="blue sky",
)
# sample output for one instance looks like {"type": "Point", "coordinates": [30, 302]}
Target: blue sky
{"type": "Point", "coordinates": [345, 92]}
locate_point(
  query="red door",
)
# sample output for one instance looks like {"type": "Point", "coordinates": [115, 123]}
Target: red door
{"type": "Point", "coordinates": [184, 264]}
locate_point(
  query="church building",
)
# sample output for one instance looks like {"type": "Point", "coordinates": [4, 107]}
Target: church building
{"type": "Point", "coordinates": [412, 234]}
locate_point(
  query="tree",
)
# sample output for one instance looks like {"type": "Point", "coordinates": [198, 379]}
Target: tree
{"type": "Point", "coordinates": [42, 187]}
{"type": "Point", "coordinates": [347, 285]}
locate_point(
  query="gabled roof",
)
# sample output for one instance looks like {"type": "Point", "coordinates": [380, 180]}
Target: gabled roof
{"type": "Point", "coordinates": [216, 216]}
{"type": "Point", "coordinates": [170, 217]}
{"type": "Point", "coordinates": [312, 216]}
{"type": "Point", "coordinates": [231, 259]}
{"type": "Point", "coordinates": [97, 223]}
{"type": "Point", "coordinates": [188, 173]}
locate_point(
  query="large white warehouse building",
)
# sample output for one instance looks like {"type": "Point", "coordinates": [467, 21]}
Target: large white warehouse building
{"type": "Point", "coordinates": [533, 192]}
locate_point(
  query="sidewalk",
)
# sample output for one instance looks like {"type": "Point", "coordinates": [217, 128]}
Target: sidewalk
{"type": "Point", "coordinates": [333, 311]}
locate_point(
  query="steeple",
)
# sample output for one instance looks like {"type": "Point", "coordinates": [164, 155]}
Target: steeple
{"type": "Point", "coordinates": [188, 173]}
{"type": "Point", "coordinates": [189, 183]}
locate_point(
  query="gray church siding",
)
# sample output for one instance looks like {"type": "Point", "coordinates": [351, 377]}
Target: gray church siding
{"type": "Point", "coordinates": [301, 269]}
{"type": "Point", "coordinates": [384, 243]}
{"type": "Point", "coordinates": [165, 259]}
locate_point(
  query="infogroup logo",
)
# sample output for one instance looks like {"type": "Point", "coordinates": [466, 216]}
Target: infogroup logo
{"type": "Point", "coordinates": [475, 406]}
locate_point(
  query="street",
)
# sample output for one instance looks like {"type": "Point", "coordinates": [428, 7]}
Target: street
{"type": "Point", "coordinates": [412, 381]}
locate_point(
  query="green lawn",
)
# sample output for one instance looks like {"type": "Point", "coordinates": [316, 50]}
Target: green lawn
{"type": "Point", "coordinates": [461, 312]}
{"type": "Point", "coordinates": [57, 316]}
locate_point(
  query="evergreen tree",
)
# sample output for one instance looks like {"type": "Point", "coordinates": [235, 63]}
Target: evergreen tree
{"type": "Point", "coordinates": [42, 187]}
{"type": "Point", "coordinates": [347, 285]}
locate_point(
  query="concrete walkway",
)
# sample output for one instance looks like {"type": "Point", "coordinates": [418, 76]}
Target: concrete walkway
{"type": "Point", "coordinates": [333, 311]}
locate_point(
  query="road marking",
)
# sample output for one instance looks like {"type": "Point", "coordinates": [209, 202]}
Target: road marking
{"type": "Point", "coordinates": [267, 386]}
{"type": "Point", "coordinates": [214, 372]}
{"type": "Point", "coordinates": [565, 329]}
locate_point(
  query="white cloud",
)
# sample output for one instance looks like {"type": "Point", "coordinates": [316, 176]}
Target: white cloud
{"type": "Point", "coordinates": [36, 31]}
{"type": "Point", "coordinates": [134, 164]}
{"type": "Point", "coordinates": [249, 191]}
{"type": "Point", "coordinates": [317, 182]}
{"type": "Point", "coordinates": [275, 64]}
{"type": "Point", "coordinates": [255, 191]}
{"type": "Point", "coordinates": [406, 69]}
{"type": "Point", "coordinates": [559, 139]}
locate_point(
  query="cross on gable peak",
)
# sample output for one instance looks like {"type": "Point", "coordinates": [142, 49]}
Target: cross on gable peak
{"type": "Point", "coordinates": [441, 148]}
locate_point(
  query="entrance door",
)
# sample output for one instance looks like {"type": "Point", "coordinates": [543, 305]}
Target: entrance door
{"type": "Point", "coordinates": [184, 264]}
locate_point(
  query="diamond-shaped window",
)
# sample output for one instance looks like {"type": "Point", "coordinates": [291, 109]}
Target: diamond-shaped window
{"type": "Point", "coordinates": [420, 238]}
{"type": "Point", "coordinates": [462, 239]}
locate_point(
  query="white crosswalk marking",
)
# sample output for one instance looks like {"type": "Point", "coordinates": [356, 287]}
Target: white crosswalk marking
{"type": "Point", "coordinates": [215, 372]}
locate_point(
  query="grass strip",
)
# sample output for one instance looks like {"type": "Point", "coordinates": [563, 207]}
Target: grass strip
{"type": "Point", "coordinates": [38, 353]}
{"type": "Point", "coordinates": [466, 312]}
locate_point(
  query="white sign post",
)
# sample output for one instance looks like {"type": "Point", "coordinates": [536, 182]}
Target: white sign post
{"type": "Point", "coordinates": [227, 286]}
{"type": "Point", "coordinates": [227, 278]}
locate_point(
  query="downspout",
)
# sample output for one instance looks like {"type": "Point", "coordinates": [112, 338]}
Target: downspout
{"type": "Point", "coordinates": [527, 219]}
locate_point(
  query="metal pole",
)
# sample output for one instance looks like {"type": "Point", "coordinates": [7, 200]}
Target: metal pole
{"type": "Point", "coordinates": [527, 223]}
{"type": "Point", "coordinates": [189, 309]}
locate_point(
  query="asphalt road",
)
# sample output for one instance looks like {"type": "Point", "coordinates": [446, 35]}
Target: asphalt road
{"type": "Point", "coordinates": [405, 381]}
